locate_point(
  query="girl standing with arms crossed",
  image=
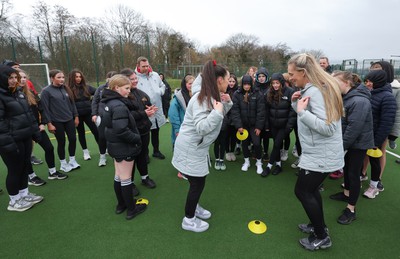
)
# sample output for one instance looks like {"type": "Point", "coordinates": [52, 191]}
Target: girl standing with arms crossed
{"type": "Point", "coordinates": [319, 108]}
{"type": "Point", "coordinates": [60, 111]}
{"type": "Point", "coordinates": [200, 128]}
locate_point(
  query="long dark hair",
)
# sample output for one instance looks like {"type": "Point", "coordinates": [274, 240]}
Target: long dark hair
{"type": "Point", "coordinates": [76, 87]}
{"type": "Point", "coordinates": [53, 73]}
{"type": "Point", "coordinates": [209, 87]}
{"type": "Point", "coordinates": [184, 90]}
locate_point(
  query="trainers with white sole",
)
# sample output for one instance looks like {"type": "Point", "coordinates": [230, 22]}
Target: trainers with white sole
{"type": "Point", "coordinates": [86, 155]}
{"type": "Point", "coordinates": [259, 166]}
{"type": "Point", "coordinates": [20, 205]}
{"type": "Point", "coordinates": [65, 167]}
{"type": "Point", "coordinates": [73, 164]}
{"type": "Point", "coordinates": [32, 198]}
{"type": "Point", "coordinates": [103, 160]}
{"type": "Point", "coordinates": [194, 224]}
{"type": "Point", "coordinates": [371, 192]}
{"type": "Point", "coordinates": [246, 165]}
{"type": "Point", "coordinates": [202, 213]}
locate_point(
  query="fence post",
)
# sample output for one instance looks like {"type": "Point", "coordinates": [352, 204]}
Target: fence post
{"type": "Point", "coordinates": [96, 67]}
{"type": "Point", "coordinates": [67, 54]}
{"type": "Point", "coordinates": [13, 50]}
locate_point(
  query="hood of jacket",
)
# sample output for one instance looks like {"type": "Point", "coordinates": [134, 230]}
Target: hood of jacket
{"type": "Point", "coordinates": [5, 73]}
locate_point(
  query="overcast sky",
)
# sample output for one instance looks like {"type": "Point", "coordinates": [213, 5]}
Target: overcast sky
{"type": "Point", "coordinates": [342, 29]}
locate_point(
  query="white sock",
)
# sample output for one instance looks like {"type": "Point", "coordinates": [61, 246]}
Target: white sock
{"type": "Point", "coordinates": [102, 155]}
{"type": "Point", "coordinates": [144, 177]}
{"type": "Point", "coordinates": [269, 165]}
{"type": "Point", "coordinates": [52, 170]}
{"type": "Point", "coordinates": [85, 150]}
{"type": "Point", "coordinates": [247, 160]}
{"type": "Point", "coordinates": [374, 184]}
{"type": "Point", "coordinates": [23, 192]}
{"type": "Point", "coordinates": [63, 161]}
{"type": "Point", "coordinates": [237, 145]}
{"type": "Point", "coordinates": [72, 158]}
{"type": "Point", "coordinates": [278, 163]}
{"type": "Point", "coordinates": [259, 161]}
{"type": "Point", "coordinates": [190, 219]}
{"type": "Point", "coordinates": [32, 175]}
{"type": "Point", "coordinates": [14, 198]}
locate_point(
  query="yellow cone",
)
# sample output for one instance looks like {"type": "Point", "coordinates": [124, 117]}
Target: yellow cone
{"type": "Point", "coordinates": [142, 201]}
{"type": "Point", "coordinates": [257, 226]}
{"type": "Point", "coordinates": [374, 152]}
{"type": "Point", "coordinates": [242, 136]}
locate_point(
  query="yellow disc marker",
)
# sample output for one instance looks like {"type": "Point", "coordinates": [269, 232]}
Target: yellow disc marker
{"type": "Point", "coordinates": [257, 227]}
{"type": "Point", "coordinates": [142, 201]}
{"type": "Point", "coordinates": [374, 152]}
{"type": "Point", "coordinates": [242, 136]}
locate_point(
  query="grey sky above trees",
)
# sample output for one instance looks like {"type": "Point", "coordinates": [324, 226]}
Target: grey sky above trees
{"type": "Point", "coordinates": [341, 29]}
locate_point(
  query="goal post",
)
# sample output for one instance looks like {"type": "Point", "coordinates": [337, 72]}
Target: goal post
{"type": "Point", "coordinates": [38, 73]}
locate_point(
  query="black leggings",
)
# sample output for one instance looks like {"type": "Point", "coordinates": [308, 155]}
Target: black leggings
{"type": "Point", "coordinates": [265, 136]}
{"type": "Point", "coordinates": [16, 161]}
{"type": "Point", "coordinates": [63, 128]}
{"type": "Point", "coordinates": [48, 148]}
{"type": "Point", "coordinates": [278, 136]}
{"type": "Point", "coordinates": [141, 159]}
{"type": "Point", "coordinates": [307, 191]}
{"type": "Point", "coordinates": [102, 138]}
{"type": "Point", "coordinates": [354, 160]}
{"type": "Point", "coordinates": [81, 130]}
{"type": "Point", "coordinates": [231, 139]}
{"type": "Point", "coordinates": [196, 188]}
{"type": "Point", "coordinates": [256, 140]}
{"type": "Point", "coordinates": [219, 145]}
{"type": "Point", "coordinates": [155, 141]}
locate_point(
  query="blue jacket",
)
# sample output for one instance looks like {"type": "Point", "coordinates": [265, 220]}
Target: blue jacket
{"type": "Point", "coordinates": [176, 114]}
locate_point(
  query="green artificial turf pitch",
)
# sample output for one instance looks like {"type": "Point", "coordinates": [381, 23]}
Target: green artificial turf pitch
{"type": "Point", "coordinates": [77, 219]}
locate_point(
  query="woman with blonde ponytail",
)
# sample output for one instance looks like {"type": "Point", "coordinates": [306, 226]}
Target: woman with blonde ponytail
{"type": "Point", "coordinates": [319, 108]}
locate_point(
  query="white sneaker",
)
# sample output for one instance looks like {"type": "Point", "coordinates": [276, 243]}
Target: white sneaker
{"type": "Point", "coordinates": [294, 152]}
{"type": "Point", "coordinates": [65, 167]}
{"type": "Point", "coordinates": [295, 164]}
{"type": "Point", "coordinates": [371, 192]}
{"type": "Point", "coordinates": [217, 165]}
{"type": "Point", "coordinates": [20, 205]}
{"type": "Point", "coordinates": [33, 198]}
{"type": "Point", "coordinates": [73, 164]}
{"type": "Point", "coordinates": [228, 157]}
{"type": "Point", "coordinates": [202, 212]}
{"type": "Point", "coordinates": [284, 155]}
{"type": "Point", "coordinates": [233, 157]}
{"type": "Point", "coordinates": [103, 160]}
{"type": "Point", "coordinates": [245, 166]}
{"type": "Point", "coordinates": [259, 167]}
{"type": "Point", "coordinates": [222, 165]}
{"type": "Point", "coordinates": [86, 155]}
{"type": "Point", "coordinates": [194, 224]}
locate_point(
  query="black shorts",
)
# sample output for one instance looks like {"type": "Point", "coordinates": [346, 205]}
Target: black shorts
{"type": "Point", "coordinates": [128, 159]}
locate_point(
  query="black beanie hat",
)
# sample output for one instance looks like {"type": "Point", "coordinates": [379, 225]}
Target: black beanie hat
{"type": "Point", "coordinates": [246, 79]}
{"type": "Point", "coordinates": [377, 77]}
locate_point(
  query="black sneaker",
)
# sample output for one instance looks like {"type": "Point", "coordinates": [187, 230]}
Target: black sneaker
{"type": "Point", "coordinates": [119, 209]}
{"type": "Point", "coordinates": [237, 151]}
{"type": "Point", "coordinates": [339, 197]}
{"type": "Point", "coordinates": [158, 155]}
{"type": "Point", "coordinates": [57, 176]}
{"type": "Point", "coordinates": [135, 190]}
{"type": "Point", "coordinates": [36, 181]}
{"type": "Point", "coordinates": [314, 243]}
{"type": "Point", "coordinates": [139, 208]}
{"type": "Point", "coordinates": [347, 217]}
{"type": "Point", "coordinates": [36, 161]}
{"type": "Point", "coordinates": [277, 170]}
{"type": "Point", "coordinates": [149, 183]}
{"type": "Point", "coordinates": [265, 157]}
{"type": "Point", "coordinates": [380, 186]}
{"type": "Point", "coordinates": [306, 228]}
{"type": "Point", "coordinates": [266, 172]}
{"type": "Point", "coordinates": [398, 161]}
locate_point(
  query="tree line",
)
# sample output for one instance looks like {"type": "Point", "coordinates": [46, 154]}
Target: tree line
{"type": "Point", "coordinates": [52, 35]}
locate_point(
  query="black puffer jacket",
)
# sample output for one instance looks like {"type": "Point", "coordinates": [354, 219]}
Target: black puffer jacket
{"type": "Point", "coordinates": [357, 122]}
{"type": "Point", "coordinates": [248, 114]}
{"type": "Point", "coordinates": [280, 114]}
{"type": "Point", "coordinates": [84, 103]}
{"type": "Point", "coordinates": [122, 135]}
{"type": "Point", "coordinates": [140, 99]}
{"type": "Point", "coordinates": [16, 119]}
